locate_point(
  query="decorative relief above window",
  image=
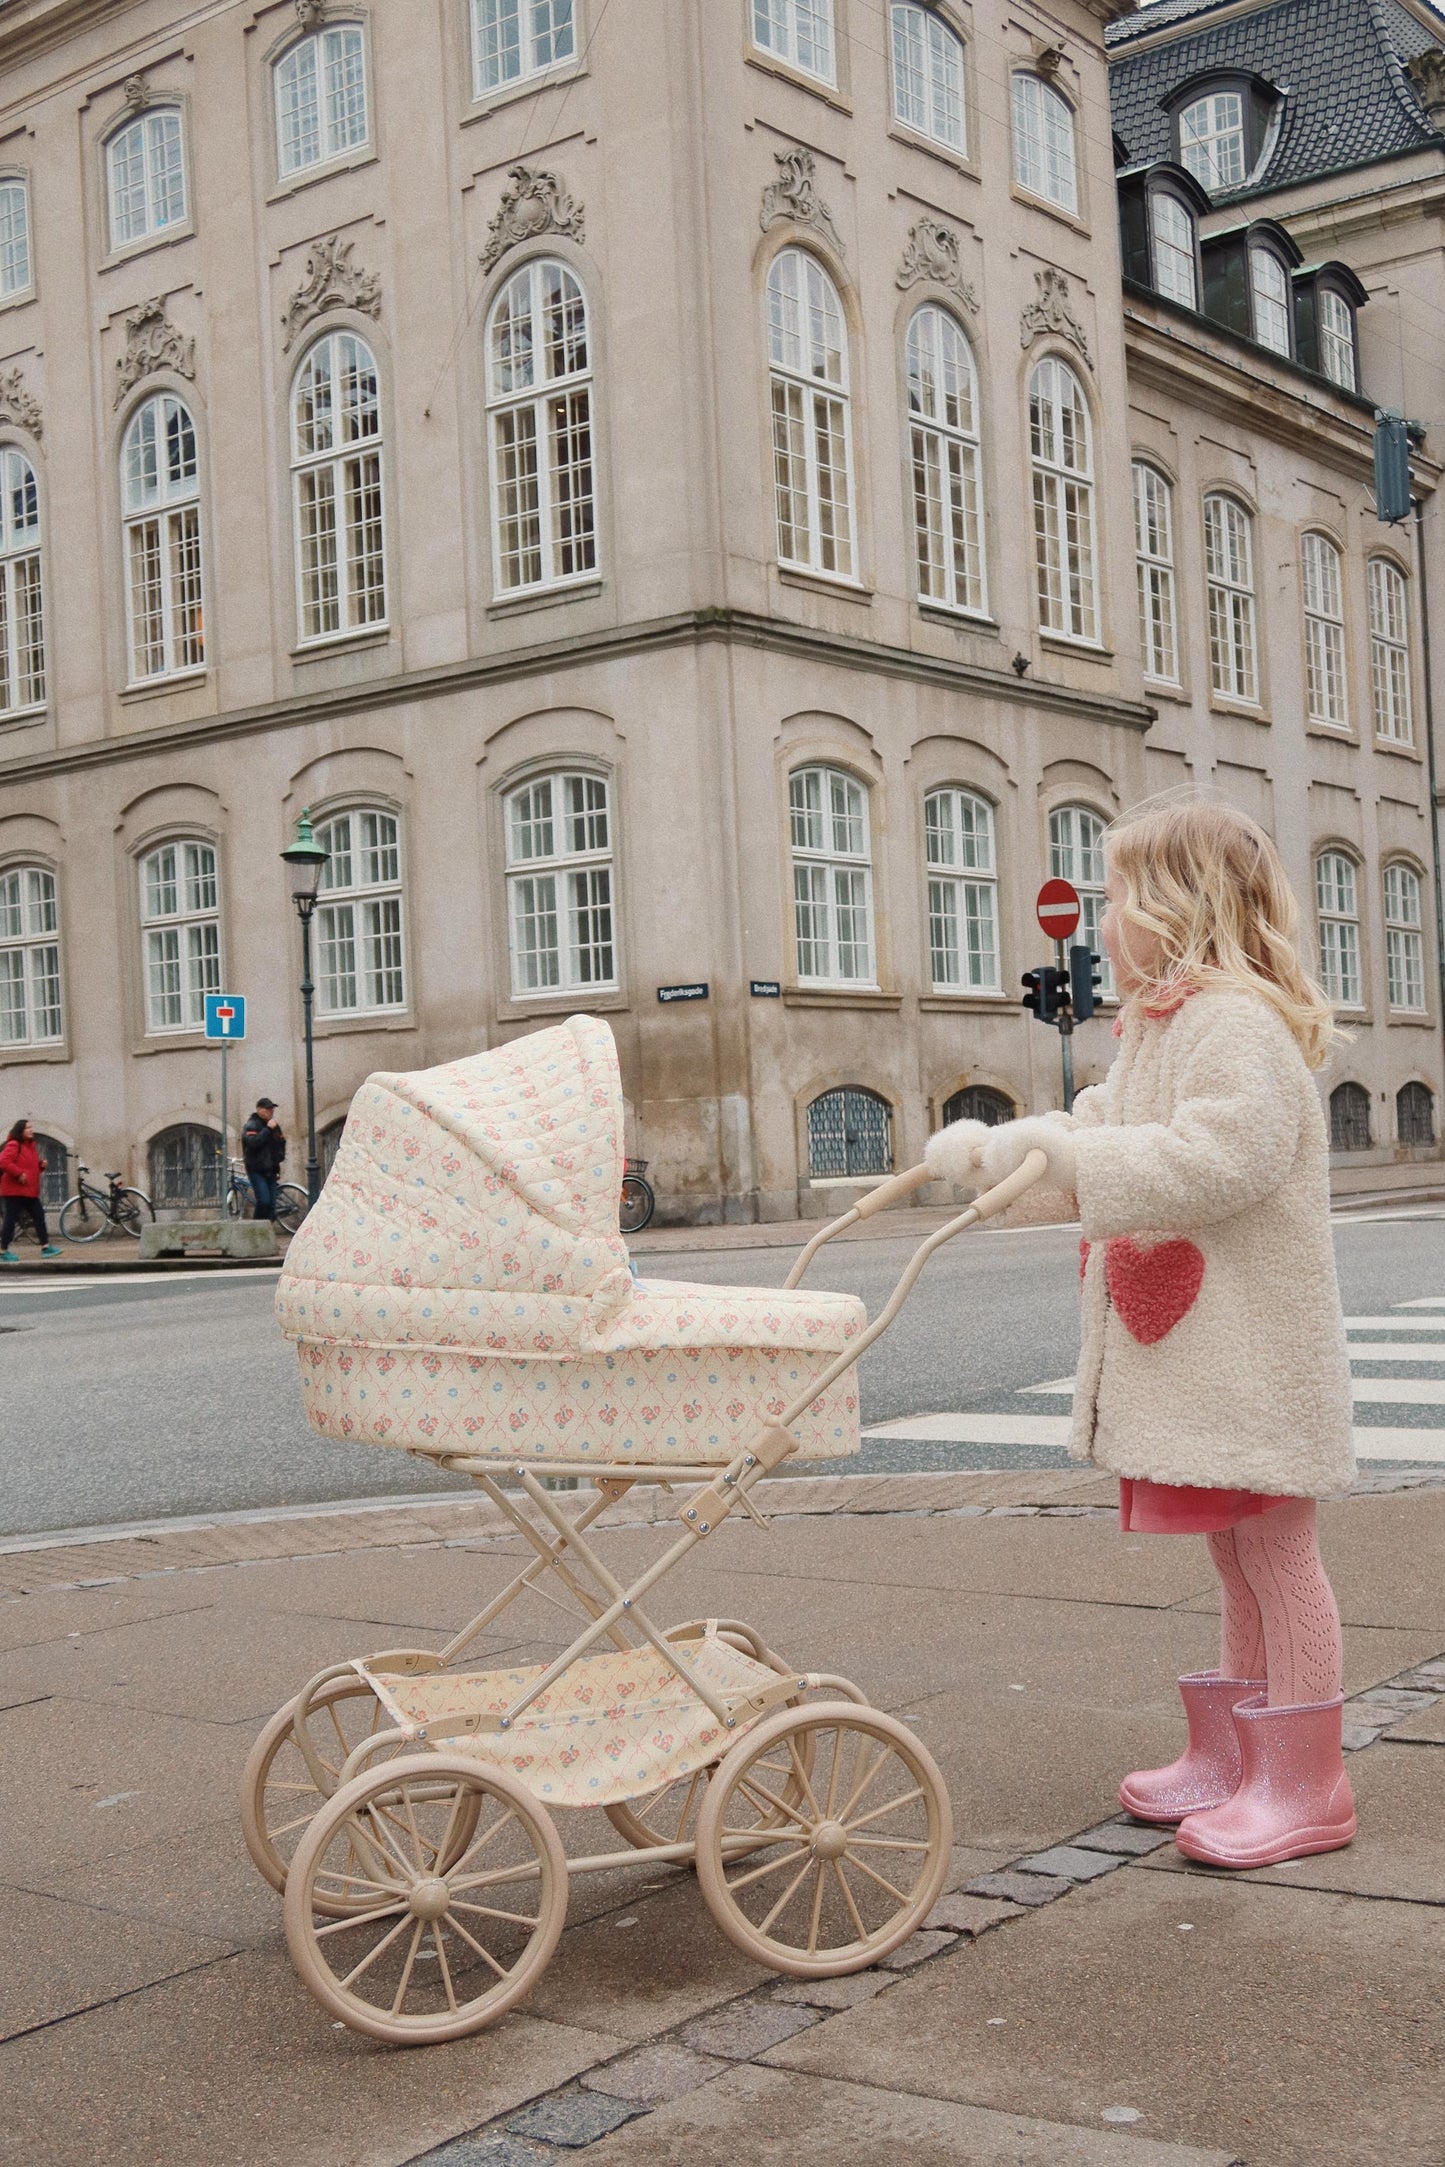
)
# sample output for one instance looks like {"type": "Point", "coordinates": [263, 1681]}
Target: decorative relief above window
{"type": "Point", "coordinates": [332, 281]}
{"type": "Point", "coordinates": [17, 408]}
{"type": "Point", "coordinates": [152, 342]}
{"type": "Point", "coordinates": [793, 198]}
{"type": "Point", "coordinates": [932, 255]}
{"type": "Point", "coordinates": [1051, 315]}
{"type": "Point", "coordinates": [533, 203]}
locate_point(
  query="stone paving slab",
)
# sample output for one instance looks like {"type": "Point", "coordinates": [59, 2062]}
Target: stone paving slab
{"type": "Point", "coordinates": [654, 2074]}
{"type": "Point", "coordinates": [62, 1957]}
{"type": "Point", "coordinates": [1426, 1725]}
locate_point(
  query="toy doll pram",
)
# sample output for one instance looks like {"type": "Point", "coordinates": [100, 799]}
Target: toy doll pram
{"type": "Point", "coordinates": [461, 1292]}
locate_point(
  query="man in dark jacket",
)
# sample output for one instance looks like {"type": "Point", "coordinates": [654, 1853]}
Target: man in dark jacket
{"type": "Point", "coordinates": [263, 1147]}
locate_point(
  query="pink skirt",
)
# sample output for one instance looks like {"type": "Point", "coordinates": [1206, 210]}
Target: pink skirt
{"type": "Point", "coordinates": [1173, 1508]}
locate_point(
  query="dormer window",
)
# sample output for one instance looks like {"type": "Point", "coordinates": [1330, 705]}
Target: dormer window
{"type": "Point", "coordinates": [1328, 297]}
{"type": "Point", "coordinates": [1337, 339]}
{"type": "Point", "coordinates": [1171, 234]}
{"type": "Point", "coordinates": [1269, 301]}
{"type": "Point", "coordinates": [1211, 140]}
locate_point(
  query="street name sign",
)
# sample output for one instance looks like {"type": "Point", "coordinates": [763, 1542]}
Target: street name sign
{"type": "Point", "coordinates": [682, 993]}
{"type": "Point", "coordinates": [225, 1018]}
{"type": "Point", "coordinates": [1058, 909]}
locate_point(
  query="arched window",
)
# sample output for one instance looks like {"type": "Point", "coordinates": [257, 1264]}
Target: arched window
{"type": "Point", "coordinates": [1337, 338]}
{"type": "Point", "coordinates": [797, 31]}
{"type": "Point", "coordinates": [55, 1181]}
{"type": "Point", "coordinates": [1060, 442]}
{"type": "Point", "coordinates": [1043, 135]}
{"type": "Point", "coordinates": [1324, 600]}
{"type": "Point", "coordinates": [1229, 576]}
{"type": "Point", "coordinates": [1390, 652]}
{"type": "Point", "coordinates": [979, 1102]}
{"type": "Point", "coordinates": [180, 910]}
{"type": "Point", "coordinates": [336, 472]}
{"type": "Point", "coordinates": [22, 606]}
{"type": "Point", "coordinates": [1349, 1118]}
{"type": "Point", "coordinates": [1154, 559]}
{"type": "Point", "coordinates": [832, 877]}
{"type": "Point", "coordinates": [14, 236]}
{"type": "Point", "coordinates": [1404, 939]}
{"type": "Point", "coordinates": [962, 892]}
{"type": "Point", "coordinates": [1336, 895]}
{"type": "Point", "coordinates": [1211, 140]}
{"type": "Point", "coordinates": [927, 74]}
{"type": "Point", "coordinates": [146, 176]}
{"type": "Point", "coordinates": [943, 448]}
{"type": "Point", "coordinates": [30, 1011]}
{"type": "Point", "coordinates": [539, 388]}
{"type": "Point", "coordinates": [321, 97]}
{"type": "Point", "coordinates": [1415, 1114]}
{"type": "Point", "coordinates": [812, 456]}
{"type": "Point", "coordinates": [512, 39]}
{"type": "Point", "coordinates": [1076, 854]}
{"type": "Point", "coordinates": [328, 1143]}
{"type": "Point", "coordinates": [185, 1168]}
{"type": "Point", "coordinates": [358, 914]}
{"type": "Point", "coordinates": [1270, 308]}
{"type": "Point", "coordinates": [850, 1135]}
{"type": "Point", "coordinates": [560, 884]}
{"type": "Point", "coordinates": [160, 500]}
{"type": "Point", "coordinates": [1171, 233]}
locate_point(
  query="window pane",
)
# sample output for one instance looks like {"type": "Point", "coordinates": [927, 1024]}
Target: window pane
{"type": "Point", "coordinates": [1337, 338]}
{"type": "Point", "coordinates": [1269, 287]}
{"type": "Point", "coordinates": [1211, 140]}
{"type": "Point", "coordinates": [14, 238]}
{"type": "Point", "coordinates": [298, 108]}
{"type": "Point", "coordinates": [1043, 133]}
{"type": "Point", "coordinates": [1389, 652]}
{"type": "Point", "coordinates": [1173, 231]}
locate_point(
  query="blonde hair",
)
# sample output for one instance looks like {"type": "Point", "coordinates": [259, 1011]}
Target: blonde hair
{"type": "Point", "coordinates": [1207, 884]}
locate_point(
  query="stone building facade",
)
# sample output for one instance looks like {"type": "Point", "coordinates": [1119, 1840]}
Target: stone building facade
{"type": "Point", "coordinates": [656, 482]}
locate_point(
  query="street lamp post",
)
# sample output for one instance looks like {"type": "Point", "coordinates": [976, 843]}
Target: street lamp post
{"type": "Point", "coordinates": [305, 862]}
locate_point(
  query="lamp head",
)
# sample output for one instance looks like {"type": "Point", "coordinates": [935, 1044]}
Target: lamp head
{"type": "Point", "coordinates": [305, 862]}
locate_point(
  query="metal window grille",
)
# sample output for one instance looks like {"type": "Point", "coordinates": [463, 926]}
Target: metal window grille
{"type": "Point", "coordinates": [1415, 1114]}
{"type": "Point", "coordinates": [850, 1134]}
{"type": "Point", "coordinates": [1349, 1118]}
{"type": "Point", "coordinates": [185, 1168]}
{"type": "Point", "coordinates": [55, 1181]}
{"type": "Point", "coordinates": [978, 1102]}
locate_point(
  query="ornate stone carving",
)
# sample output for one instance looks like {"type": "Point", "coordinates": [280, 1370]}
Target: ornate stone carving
{"type": "Point", "coordinates": [152, 342]}
{"type": "Point", "coordinates": [332, 281]}
{"type": "Point", "coordinates": [794, 196]}
{"type": "Point", "coordinates": [1051, 313]}
{"type": "Point", "coordinates": [16, 405]}
{"type": "Point", "coordinates": [1048, 60]}
{"type": "Point", "coordinates": [310, 12]}
{"type": "Point", "coordinates": [1427, 76]}
{"type": "Point", "coordinates": [932, 254]}
{"type": "Point", "coordinates": [136, 92]}
{"type": "Point", "coordinates": [533, 202]}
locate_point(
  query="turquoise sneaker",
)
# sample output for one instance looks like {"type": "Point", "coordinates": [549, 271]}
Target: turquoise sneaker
{"type": "Point", "coordinates": [50, 1250]}
{"type": "Point", "coordinates": [8, 1256]}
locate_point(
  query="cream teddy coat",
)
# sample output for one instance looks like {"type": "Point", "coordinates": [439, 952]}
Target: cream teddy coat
{"type": "Point", "coordinates": [1213, 1345]}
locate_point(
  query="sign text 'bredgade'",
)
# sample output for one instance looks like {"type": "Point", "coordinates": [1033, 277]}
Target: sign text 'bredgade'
{"type": "Point", "coordinates": [765, 989]}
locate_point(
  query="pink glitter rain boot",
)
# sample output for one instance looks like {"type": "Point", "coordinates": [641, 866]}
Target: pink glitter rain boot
{"type": "Point", "coordinates": [1294, 1797]}
{"type": "Point", "coordinates": [1207, 1771]}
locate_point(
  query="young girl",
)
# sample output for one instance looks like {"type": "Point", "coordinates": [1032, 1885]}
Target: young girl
{"type": "Point", "coordinates": [1213, 1379]}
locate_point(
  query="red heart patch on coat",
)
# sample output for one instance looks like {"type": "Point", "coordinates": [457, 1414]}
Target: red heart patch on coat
{"type": "Point", "coordinates": [1152, 1288]}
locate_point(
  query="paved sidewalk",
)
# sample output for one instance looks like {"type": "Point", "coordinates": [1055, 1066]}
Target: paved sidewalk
{"type": "Point", "coordinates": [1082, 1998]}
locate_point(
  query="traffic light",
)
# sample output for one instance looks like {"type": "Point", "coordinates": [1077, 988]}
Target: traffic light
{"type": "Point", "coordinates": [1085, 978]}
{"type": "Point", "coordinates": [1046, 992]}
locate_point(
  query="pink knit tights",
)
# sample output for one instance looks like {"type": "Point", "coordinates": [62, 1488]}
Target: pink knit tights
{"type": "Point", "coordinates": [1278, 1617]}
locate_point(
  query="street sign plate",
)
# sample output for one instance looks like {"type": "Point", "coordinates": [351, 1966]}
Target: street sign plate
{"type": "Point", "coordinates": [1058, 909]}
{"type": "Point", "coordinates": [225, 1018]}
{"type": "Point", "coordinates": [696, 992]}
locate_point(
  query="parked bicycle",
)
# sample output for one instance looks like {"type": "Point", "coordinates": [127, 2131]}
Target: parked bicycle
{"type": "Point", "coordinates": [85, 1216]}
{"type": "Point", "coordinates": [638, 1201]}
{"type": "Point", "coordinates": [291, 1203]}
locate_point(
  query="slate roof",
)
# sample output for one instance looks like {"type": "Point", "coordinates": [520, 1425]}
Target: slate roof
{"type": "Point", "coordinates": [1348, 101]}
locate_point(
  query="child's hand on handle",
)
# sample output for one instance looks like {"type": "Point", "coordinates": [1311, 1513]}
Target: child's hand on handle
{"type": "Point", "coordinates": [1006, 1147]}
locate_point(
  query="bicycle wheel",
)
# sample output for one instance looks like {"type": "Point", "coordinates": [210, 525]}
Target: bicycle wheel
{"type": "Point", "coordinates": [638, 1204]}
{"type": "Point", "coordinates": [132, 1209]}
{"type": "Point", "coordinates": [291, 1207]}
{"type": "Point", "coordinates": [238, 1199]}
{"type": "Point", "coordinates": [82, 1218]}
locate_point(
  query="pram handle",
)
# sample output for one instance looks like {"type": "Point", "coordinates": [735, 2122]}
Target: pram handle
{"type": "Point", "coordinates": [899, 1186]}
{"type": "Point", "coordinates": [892, 1191]}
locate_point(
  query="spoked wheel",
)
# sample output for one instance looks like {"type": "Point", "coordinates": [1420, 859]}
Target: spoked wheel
{"type": "Point", "coordinates": [81, 1219]}
{"type": "Point", "coordinates": [833, 1879]}
{"type": "Point", "coordinates": [291, 1207]}
{"type": "Point", "coordinates": [133, 1208]}
{"type": "Point", "coordinates": [436, 1954]}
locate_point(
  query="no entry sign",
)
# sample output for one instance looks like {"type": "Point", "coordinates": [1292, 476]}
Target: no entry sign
{"type": "Point", "coordinates": [1058, 909]}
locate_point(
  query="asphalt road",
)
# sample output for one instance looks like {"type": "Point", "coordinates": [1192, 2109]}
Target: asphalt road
{"type": "Point", "coordinates": [125, 1403]}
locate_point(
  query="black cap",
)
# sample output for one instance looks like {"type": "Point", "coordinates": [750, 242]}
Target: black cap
{"type": "Point", "coordinates": [269, 1104]}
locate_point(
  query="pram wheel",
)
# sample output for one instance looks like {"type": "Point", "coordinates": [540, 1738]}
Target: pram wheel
{"type": "Point", "coordinates": [438, 1954]}
{"type": "Point", "coordinates": [824, 1839]}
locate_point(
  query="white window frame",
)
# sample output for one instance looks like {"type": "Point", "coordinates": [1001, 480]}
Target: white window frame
{"type": "Point", "coordinates": [1337, 918]}
{"type": "Point", "coordinates": [1338, 359]}
{"type": "Point", "coordinates": [22, 587]}
{"type": "Point", "coordinates": [832, 858]}
{"type": "Point", "coordinates": [180, 946]}
{"type": "Point", "coordinates": [1264, 301]}
{"type": "Point", "coordinates": [812, 421]}
{"type": "Point", "coordinates": [1231, 603]}
{"type": "Point", "coordinates": [1154, 562]}
{"type": "Point", "coordinates": [928, 75]}
{"type": "Point", "coordinates": [154, 145]}
{"type": "Point", "coordinates": [945, 463]}
{"type": "Point", "coordinates": [17, 263]}
{"type": "Point", "coordinates": [31, 986]}
{"type": "Point", "coordinates": [1404, 895]}
{"type": "Point", "coordinates": [540, 35]}
{"type": "Point", "coordinates": [1390, 652]}
{"type": "Point", "coordinates": [334, 56]}
{"type": "Point", "coordinates": [163, 541]}
{"type": "Point", "coordinates": [1076, 854]}
{"type": "Point", "coordinates": [570, 889]}
{"type": "Point", "coordinates": [1224, 124]}
{"type": "Point", "coordinates": [1066, 555]}
{"type": "Point", "coordinates": [361, 914]}
{"type": "Point", "coordinates": [1168, 251]}
{"type": "Point", "coordinates": [800, 33]}
{"type": "Point", "coordinates": [542, 434]}
{"type": "Point", "coordinates": [961, 869]}
{"type": "Point", "coordinates": [1322, 587]}
{"type": "Point", "coordinates": [349, 468]}
{"type": "Point", "coordinates": [1045, 145]}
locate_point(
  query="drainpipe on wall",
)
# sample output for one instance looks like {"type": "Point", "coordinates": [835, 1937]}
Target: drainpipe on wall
{"type": "Point", "coordinates": [1430, 758]}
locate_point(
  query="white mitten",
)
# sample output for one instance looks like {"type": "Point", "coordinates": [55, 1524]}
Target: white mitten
{"type": "Point", "coordinates": [1010, 1144]}
{"type": "Point", "coordinates": [949, 1155]}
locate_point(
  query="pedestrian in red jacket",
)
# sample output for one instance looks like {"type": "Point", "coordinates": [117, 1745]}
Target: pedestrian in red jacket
{"type": "Point", "coordinates": [21, 1167]}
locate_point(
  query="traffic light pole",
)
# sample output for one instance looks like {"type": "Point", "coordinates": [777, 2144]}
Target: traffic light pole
{"type": "Point", "coordinates": [1066, 1033]}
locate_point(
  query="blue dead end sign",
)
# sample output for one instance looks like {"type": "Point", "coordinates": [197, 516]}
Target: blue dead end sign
{"type": "Point", "coordinates": [225, 1018]}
